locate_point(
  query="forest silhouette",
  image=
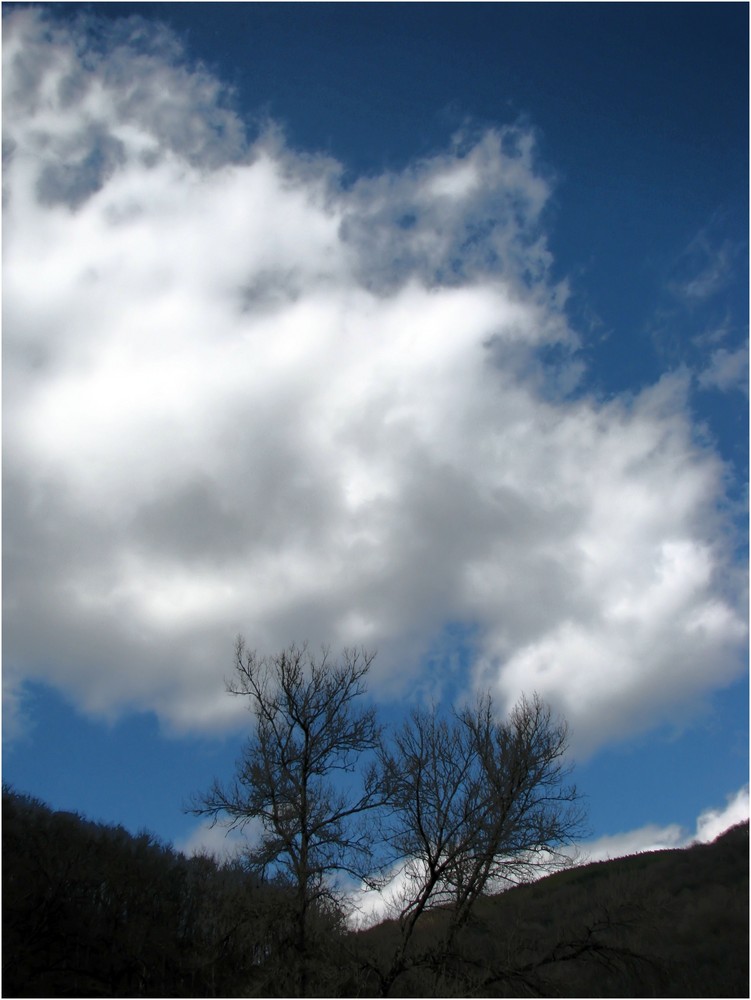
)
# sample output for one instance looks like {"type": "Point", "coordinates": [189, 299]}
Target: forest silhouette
{"type": "Point", "coordinates": [457, 816]}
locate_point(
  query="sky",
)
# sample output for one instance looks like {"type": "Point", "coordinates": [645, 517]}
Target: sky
{"type": "Point", "coordinates": [422, 327]}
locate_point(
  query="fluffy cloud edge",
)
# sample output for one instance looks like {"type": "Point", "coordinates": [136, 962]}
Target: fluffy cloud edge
{"type": "Point", "coordinates": [499, 501]}
{"type": "Point", "coordinates": [710, 824]}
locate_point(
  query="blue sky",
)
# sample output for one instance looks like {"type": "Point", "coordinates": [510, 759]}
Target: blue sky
{"type": "Point", "coordinates": [418, 326]}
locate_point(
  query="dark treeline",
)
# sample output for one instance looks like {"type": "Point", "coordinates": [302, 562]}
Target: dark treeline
{"type": "Point", "coordinates": [671, 923]}
{"type": "Point", "coordinates": [93, 911]}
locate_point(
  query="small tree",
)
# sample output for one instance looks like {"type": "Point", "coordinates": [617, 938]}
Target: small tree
{"type": "Point", "coordinates": [476, 803]}
{"type": "Point", "coordinates": [308, 728]}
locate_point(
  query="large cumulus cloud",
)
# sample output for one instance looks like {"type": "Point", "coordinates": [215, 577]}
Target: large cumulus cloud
{"type": "Point", "coordinates": [245, 394]}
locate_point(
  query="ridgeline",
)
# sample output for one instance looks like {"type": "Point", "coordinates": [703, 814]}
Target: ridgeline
{"type": "Point", "coordinates": [92, 911]}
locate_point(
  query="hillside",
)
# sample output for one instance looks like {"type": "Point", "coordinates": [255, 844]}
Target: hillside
{"type": "Point", "coordinates": [91, 911]}
{"type": "Point", "coordinates": [666, 923]}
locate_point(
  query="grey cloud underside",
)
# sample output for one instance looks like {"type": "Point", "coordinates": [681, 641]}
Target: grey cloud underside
{"type": "Point", "coordinates": [73, 183]}
{"type": "Point", "coordinates": [241, 397]}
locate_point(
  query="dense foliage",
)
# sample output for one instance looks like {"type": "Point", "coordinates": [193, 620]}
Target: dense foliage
{"type": "Point", "coordinates": [90, 910]}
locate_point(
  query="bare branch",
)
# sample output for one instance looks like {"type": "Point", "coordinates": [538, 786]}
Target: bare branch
{"type": "Point", "coordinates": [475, 802]}
{"type": "Point", "coordinates": [308, 726]}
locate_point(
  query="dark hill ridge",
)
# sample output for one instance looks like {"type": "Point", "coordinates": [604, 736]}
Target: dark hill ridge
{"type": "Point", "coordinates": [91, 911]}
{"type": "Point", "coordinates": [682, 913]}
{"type": "Point", "coordinates": [670, 923]}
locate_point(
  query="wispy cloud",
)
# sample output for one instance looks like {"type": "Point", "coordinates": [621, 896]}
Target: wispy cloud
{"type": "Point", "coordinates": [700, 321]}
{"type": "Point", "coordinates": [650, 837]}
{"type": "Point", "coordinates": [242, 395]}
{"type": "Point", "coordinates": [727, 370]}
{"type": "Point", "coordinates": [705, 267]}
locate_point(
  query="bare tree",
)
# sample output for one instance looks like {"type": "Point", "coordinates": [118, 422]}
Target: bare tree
{"type": "Point", "coordinates": [476, 804]}
{"type": "Point", "coordinates": [308, 729]}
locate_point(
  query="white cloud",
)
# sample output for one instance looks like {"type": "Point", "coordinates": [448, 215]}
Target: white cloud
{"type": "Point", "coordinates": [709, 825]}
{"type": "Point", "coordinates": [243, 397]}
{"type": "Point", "coordinates": [217, 840]}
{"type": "Point", "coordinates": [370, 906]}
{"type": "Point", "coordinates": [646, 838]}
{"type": "Point", "coordinates": [714, 822]}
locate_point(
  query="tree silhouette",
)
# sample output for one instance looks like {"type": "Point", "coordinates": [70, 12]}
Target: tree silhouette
{"type": "Point", "coordinates": [474, 803]}
{"type": "Point", "coordinates": [308, 729]}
